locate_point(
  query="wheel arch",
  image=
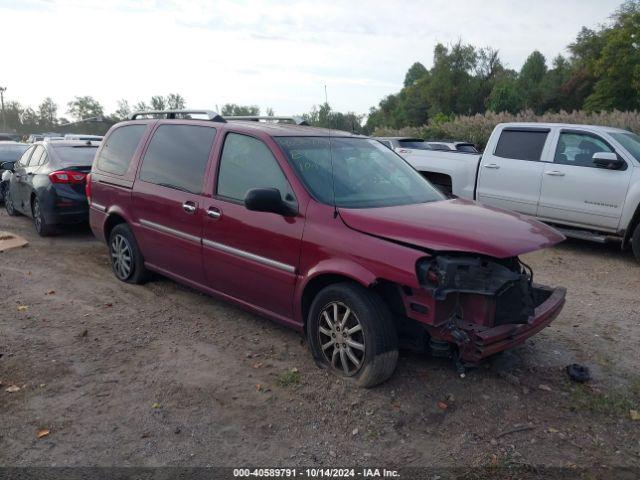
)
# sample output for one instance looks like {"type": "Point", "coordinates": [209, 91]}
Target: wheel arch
{"type": "Point", "coordinates": [113, 219]}
{"type": "Point", "coordinates": [635, 221]}
{"type": "Point", "coordinates": [320, 280]}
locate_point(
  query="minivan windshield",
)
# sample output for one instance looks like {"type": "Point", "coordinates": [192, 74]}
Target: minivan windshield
{"type": "Point", "coordinates": [363, 172]}
{"type": "Point", "coordinates": [630, 141]}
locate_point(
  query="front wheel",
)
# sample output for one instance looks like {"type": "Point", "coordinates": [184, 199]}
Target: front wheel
{"type": "Point", "coordinates": [126, 258]}
{"type": "Point", "coordinates": [8, 204]}
{"type": "Point", "coordinates": [351, 332]}
{"type": "Point", "coordinates": [635, 242]}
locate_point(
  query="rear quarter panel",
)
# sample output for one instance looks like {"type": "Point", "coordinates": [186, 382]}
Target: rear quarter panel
{"type": "Point", "coordinates": [111, 193]}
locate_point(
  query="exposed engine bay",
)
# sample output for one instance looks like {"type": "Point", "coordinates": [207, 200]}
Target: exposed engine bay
{"type": "Point", "coordinates": [508, 281]}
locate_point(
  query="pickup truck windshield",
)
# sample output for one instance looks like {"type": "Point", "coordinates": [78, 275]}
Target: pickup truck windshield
{"type": "Point", "coordinates": [630, 141]}
{"type": "Point", "coordinates": [365, 173]}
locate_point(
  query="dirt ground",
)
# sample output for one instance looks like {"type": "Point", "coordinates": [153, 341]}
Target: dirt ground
{"type": "Point", "coordinates": [162, 375]}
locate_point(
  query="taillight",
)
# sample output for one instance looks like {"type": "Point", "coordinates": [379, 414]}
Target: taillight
{"type": "Point", "coordinates": [87, 188]}
{"type": "Point", "coordinates": [67, 176]}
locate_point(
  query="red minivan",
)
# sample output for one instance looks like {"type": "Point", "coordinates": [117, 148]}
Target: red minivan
{"type": "Point", "coordinates": [330, 233]}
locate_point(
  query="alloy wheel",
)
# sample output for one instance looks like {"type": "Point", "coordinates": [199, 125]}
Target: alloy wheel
{"type": "Point", "coordinates": [121, 257]}
{"type": "Point", "coordinates": [36, 215]}
{"type": "Point", "coordinates": [341, 338]}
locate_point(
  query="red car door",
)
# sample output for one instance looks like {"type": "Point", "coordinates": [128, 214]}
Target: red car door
{"type": "Point", "coordinates": [251, 256]}
{"type": "Point", "coordinates": [167, 199]}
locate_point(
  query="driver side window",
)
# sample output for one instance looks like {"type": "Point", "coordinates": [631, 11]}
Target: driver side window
{"type": "Point", "coordinates": [578, 148]}
{"type": "Point", "coordinates": [247, 163]}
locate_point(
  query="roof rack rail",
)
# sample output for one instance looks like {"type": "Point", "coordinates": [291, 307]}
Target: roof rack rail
{"type": "Point", "coordinates": [268, 119]}
{"type": "Point", "coordinates": [171, 114]}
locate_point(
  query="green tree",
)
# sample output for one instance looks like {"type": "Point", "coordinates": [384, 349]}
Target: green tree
{"type": "Point", "coordinates": [531, 79]}
{"type": "Point", "coordinates": [123, 111]}
{"type": "Point", "coordinates": [233, 109]}
{"type": "Point", "coordinates": [141, 107]}
{"type": "Point", "coordinates": [415, 73]}
{"type": "Point", "coordinates": [617, 68]}
{"type": "Point", "coordinates": [324, 117]}
{"type": "Point", "coordinates": [158, 103]}
{"type": "Point", "coordinates": [175, 101]}
{"type": "Point", "coordinates": [505, 96]}
{"type": "Point", "coordinates": [29, 119]}
{"type": "Point", "coordinates": [85, 107]}
{"type": "Point", "coordinates": [48, 114]}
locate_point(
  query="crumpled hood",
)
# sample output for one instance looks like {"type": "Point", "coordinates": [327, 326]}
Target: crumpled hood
{"type": "Point", "coordinates": [455, 226]}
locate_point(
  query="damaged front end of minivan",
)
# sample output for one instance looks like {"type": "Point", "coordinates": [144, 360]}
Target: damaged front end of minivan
{"type": "Point", "coordinates": [474, 306]}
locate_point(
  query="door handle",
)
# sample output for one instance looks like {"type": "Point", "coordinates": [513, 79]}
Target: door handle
{"type": "Point", "coordinates": [214, 213]}
{"type": "Point", "coordinates": [554, 173]}
{"type": "Point", "coordinates": [189, 207]}
{"type": "Point", "coordinates": [491, 165]}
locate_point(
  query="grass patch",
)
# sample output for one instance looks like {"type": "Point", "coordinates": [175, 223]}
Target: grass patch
{"type": "Point", "coordinates": [613, 403]}
{"type": "Point", "coordinates": [288, 378]}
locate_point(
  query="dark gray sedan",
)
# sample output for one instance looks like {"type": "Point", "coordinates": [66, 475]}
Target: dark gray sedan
{"type": "Point", "coordinates": [48, 184]}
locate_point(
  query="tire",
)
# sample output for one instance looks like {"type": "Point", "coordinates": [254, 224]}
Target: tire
{"type": "Point", "coordinates": [370, 353]}
{"type": "Point", "coordinates": [8, 205]}
{"type": "Point", "coordinates": [635, 242]}
{"type": "Point", "coordinates": [123, 246]}
{"type": "Point", "coordinates": [42, 227]}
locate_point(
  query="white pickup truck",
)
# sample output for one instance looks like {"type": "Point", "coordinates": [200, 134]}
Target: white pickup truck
{"type": "Point", "coordinates": [583, 179]}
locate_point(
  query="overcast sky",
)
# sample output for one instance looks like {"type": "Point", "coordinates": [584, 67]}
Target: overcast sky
{"type": "Point", "coordinates": [270, 53]}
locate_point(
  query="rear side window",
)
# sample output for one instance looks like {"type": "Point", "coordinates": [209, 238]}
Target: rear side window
{"type": "Point", "coordinates": [119, 148]}
{"type": "Point", "coordinates": [35, 158]}
{"type": "Point", "coordinates": [248, 163]}
{"type": "Point", "coordinates": [415, 144]}
{"type": "Point", "coordinates": [76, 155]}
{"type": "Point", "coordinates": [521, 144]}
{"type": "Point", "coordinates": [24, 159]}
{"type": "Point", "coordinates": [177, 157]}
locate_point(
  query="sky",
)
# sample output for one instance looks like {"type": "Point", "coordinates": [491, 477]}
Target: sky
{"type": "Point", "coordinates": [270, 53]}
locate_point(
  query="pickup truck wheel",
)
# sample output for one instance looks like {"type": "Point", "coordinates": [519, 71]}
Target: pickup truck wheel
{"type": "Point", "coordinates": [351, 332]}
{"type": "Point", "coordinates": [8, 204]}
{"type": "Point", "coordinates": [127, 261]}
{"type": "Point", "coordinates": [635, 242]}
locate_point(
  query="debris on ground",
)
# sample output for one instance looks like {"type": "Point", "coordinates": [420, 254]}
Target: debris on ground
{"type": "Point", "coordinates": [13, 389]}
{"type": "Point", "coordinates": [634, 415]}
{"type": "Point", "coordinates": [23, 308]}
{"type": "Point", "coordinates": [544, 387]}
{"type": "Point", "coordinates": [43, 432]}
{"type": "Point", "coordinates": [10, 240]}
{"type": "Point", "coordinates": [578, 373]}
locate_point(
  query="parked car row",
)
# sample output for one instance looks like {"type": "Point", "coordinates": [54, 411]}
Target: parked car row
{"type": "Point", "coordinates": [584, 180]}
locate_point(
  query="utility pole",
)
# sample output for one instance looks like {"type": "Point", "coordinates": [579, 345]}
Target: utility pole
{"type": "Point", "coordinates": [4, 118]}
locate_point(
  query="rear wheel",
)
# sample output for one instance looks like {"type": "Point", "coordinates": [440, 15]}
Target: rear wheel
{"type": "Point", "coordinates": [635, 242]}
{"type": "Point", "coordinates": [8, 204]}
{"type": "Point", "coordinates": [351, 332]}
{"type": "Point", "coordinates": [127, 261]}
{"type": "Point", "coordinates": [42, 227]}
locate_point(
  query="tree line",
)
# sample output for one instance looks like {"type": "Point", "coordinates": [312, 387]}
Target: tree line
{"type": "Point", "coordinates": [601, 73]}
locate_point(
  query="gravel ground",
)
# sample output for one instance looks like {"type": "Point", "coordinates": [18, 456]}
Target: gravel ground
{"type": "Point", "coordinates": [162, 375]}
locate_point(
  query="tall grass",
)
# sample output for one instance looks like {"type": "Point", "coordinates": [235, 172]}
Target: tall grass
{"type": "Point", "coordinates": [477, 128]}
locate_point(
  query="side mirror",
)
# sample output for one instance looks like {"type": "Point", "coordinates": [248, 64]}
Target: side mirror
{"type": "Point", "coordinates": [7, 166]}
{"type": "Point", "coordinates": [608, 160]}
{"type": "Point", "coordinates": [268, 200]}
